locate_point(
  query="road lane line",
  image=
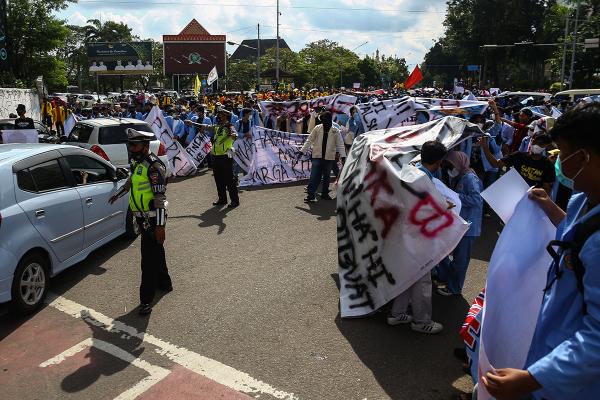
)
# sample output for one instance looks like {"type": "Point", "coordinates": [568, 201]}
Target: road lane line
{"type": "Point", "coordinates": [212, 369]}
{"type": "Point", "coordinates": [156, 373]}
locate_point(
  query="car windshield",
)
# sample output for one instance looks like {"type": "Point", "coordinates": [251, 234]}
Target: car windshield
{"type": "Point", "coordinates": [80, 133]}
{"type": "Point", "coordinates": [117, 134]}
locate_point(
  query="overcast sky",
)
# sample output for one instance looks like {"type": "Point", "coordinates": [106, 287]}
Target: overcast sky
{"type": "Point", "coordinates": [405, 28]}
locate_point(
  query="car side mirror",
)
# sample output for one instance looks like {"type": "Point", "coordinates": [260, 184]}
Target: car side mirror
{"type": "Point", "coordinates": [121, 173]}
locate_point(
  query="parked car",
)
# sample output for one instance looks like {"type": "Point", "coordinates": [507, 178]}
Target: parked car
{"type": "Point", "coordinates": [574, 95]}
{"type": "Point", "coordinates": [107, 137]}
{"type": "Point", "coordinates": [54, 211]}
{"type": "Point", "coordinates": [538, 97]}
{"type": "Point", "coordinates": [87, 100]}
{"type": "Point", "coordinates": [44, 134]}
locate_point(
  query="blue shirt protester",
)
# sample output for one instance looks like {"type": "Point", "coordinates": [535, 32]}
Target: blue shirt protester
{"type": "Point", "coordinates": [564, 356]}
{"type": "Point", "coordinates": [469, 189]}
{"type": "Point", "coordinates": [495, 148]}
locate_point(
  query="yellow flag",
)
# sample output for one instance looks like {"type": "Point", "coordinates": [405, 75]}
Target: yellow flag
{"type": "Point", "coordinates": [197, 85]}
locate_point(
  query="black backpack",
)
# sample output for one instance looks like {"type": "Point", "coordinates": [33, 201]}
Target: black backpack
{"type": "Point", "coordinates": [582, 234]}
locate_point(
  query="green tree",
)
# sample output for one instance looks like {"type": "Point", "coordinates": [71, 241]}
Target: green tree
{"type": "Point", "coordinates": [109, 31]}
{"type": "Point", "coordinates": [34, 36]}
{"type": "Point", "coordinates": [241, 75]}
{"type": "Point", "coordinates": [329, 64]}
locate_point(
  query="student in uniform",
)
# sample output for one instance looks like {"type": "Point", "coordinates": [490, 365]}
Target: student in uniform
{"type": "Point", "coordinates": [564, 357]}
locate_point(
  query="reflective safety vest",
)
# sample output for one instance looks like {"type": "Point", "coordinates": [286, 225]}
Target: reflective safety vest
{"type": "Point", "coordinates": [221, 141]}
{"type": "Point", "coordinates": [140, 194]}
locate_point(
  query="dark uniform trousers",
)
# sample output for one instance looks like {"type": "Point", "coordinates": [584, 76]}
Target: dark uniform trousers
{"type": "Point", "coordinates": [223, 172]}
{"type": "Point", "coordinates": [154, 265]}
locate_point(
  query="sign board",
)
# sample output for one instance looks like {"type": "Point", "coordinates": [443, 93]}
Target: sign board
{"type": "Point", "coordinates": [472, 67]}
{"type": "Point", "coordinates": [356, 85]}
{"type": "Point", "coordinates": [131, 58]}
{"type": "Point", "coordinates": [193, 58]}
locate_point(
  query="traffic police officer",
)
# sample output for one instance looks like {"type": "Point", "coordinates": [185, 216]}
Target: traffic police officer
{"type": "Point", "coordinates": [221, 153]}
{"type": "Point", "coordinates": [146, 186]}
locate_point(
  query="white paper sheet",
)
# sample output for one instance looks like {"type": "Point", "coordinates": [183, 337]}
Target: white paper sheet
{"type": "Point", "coordinates": [20, 136]}
{"type": "Point", "coordinates": [504, 194]}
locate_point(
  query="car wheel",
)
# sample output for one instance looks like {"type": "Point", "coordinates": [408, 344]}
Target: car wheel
{"type": "Point", "coordinates": [132, 228]}
{"type": "Point", "coordinates": [30, 283]}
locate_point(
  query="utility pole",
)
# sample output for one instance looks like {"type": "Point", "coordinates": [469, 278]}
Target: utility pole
{"type": "Point", "coordinates": [574, 45]}
{"type": "Point", "coordinates": [258, 58]}
{"type": "Point", "coordinates": [564, 58]}
{"type": "Point", "coordinates": [277, 48]}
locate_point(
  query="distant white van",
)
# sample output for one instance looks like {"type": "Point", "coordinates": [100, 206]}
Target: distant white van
{"type": "Point", "coordinates": [575, 95]}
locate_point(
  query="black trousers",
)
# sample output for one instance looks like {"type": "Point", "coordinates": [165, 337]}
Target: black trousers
{"type": "Point", "coordinates": [154, 266]}
{"type": "Point", "coordinates": [223, 172]}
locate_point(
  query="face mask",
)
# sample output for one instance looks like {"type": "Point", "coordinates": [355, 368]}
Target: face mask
{"type": "Point", "coordinates": [530, 133]}
{"type": "Point", "coordinates": [538, 150]}
{"type": "Point", "coordinates": [562, 178]}
{"type": "Point", "coordinates": [453, 173]}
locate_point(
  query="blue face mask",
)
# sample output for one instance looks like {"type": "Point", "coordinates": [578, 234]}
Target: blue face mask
{"type": "Point", "coordinates": [562, 179]}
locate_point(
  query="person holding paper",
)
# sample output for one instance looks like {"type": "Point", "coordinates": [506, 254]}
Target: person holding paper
{"type": "Point", "coordinates": [534, 167]}
{"type": "Point", "coordinates": [467, 184]}
{"type": "Point", "coordinates": [564, 357]}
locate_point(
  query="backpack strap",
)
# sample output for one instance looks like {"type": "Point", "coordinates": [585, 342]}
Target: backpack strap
{"type": "Point", "coordinates": [582, 234]}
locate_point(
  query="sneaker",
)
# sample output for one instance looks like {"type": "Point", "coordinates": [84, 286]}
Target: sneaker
{"type": "Point", "coordinates": [219, 203]}
{"type": "Point", "coordinates": [233, 205]}
{"type": "Point", "coordinates": [438, 283]}
{"type": "Point", "coordinates": [145, 309]}
{"type": "Point", "coordinates": [430, 328]}
{"type": "Point", "coordinates": [326, 197]}
{"type": "Point", "coordinates": [444, 291]}
{"type": "Point", "coordinates": [399, 319]}
{"type": "Point", "coordinates": [309, 199]}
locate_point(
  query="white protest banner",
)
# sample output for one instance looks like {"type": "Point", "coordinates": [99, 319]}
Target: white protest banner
{"type": "Point", "coordinates": [199, 148]}
{"type": "Point", "coordinates": [70, 123]}
{"type": "Point", "coordinates": [339, 103]}
{"type": "Point", "coordinates": [20, 136]}
{"type": "Point", "coordinates": [403, 111]}
{"type": "Point", "coordinates": [393, 224]}
{"type": "Point", "coordinates": [270, 157]}
{"type": "Point", "coordinates": [383, 114]}
{"type": "Point", "coordinates": [542, 111]}
{"type": "Point", "coordinates": [449, 194]}
{"type": "Point", "coordinates": [516, 278]}
{"type": "Point", "coordinates": [181, 163]}
{"type": "Point", "coordinates": [10, 98]}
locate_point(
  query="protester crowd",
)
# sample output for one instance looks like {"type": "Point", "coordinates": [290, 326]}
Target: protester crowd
{"type": "Point", "coordinates": [554, 156]}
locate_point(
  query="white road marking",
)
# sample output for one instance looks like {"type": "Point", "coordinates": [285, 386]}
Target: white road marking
{"type": "Point", "coordinates": [212, 369]}
{"type": "Point", "coordinates": [156, 373]}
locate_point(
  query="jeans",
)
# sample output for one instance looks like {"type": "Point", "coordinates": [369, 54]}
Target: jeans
{"type": "Point", "coordinates": [454, 271]}
{"type": "Point", "coordinates": [320, 171]}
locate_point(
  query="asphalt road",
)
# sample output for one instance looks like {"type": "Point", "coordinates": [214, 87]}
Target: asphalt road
{"type": "Point", "coordinates": [255, 289]}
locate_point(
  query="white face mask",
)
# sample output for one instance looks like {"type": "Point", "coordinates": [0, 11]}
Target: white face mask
{"type": "Point", "coordinates": [535, 149]}
{"type": "Point", "coordinates": [453, 173]}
